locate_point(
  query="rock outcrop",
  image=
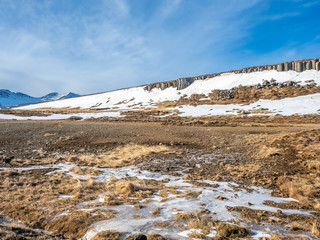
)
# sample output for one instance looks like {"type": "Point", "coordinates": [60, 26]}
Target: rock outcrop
{"type": "Point", "coordinates": [179, 83]}
{"type": "Point", "coordinates": [298, 66]}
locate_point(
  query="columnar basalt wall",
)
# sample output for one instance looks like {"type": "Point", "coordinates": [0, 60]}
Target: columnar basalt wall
{"type": "Point", "coordinates": [298, 66]}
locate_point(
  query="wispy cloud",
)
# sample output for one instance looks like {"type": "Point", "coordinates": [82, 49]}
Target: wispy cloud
{"type": "Point", "coordinates": [284, 15]}
{"type": "Point", "coordinates": [86, 46]}
{"type": "Point", "coordinates": [311, 3]}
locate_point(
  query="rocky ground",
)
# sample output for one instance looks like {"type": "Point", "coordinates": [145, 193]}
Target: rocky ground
{"type": "Point", "coordinates": [277, 153]}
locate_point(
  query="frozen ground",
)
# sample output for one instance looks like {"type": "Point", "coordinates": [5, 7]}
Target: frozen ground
{"type": "Point", "coordinates": [125, 222]}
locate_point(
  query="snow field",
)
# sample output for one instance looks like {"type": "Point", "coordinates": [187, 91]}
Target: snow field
{"type": "Point", "coordinates": [309, 104]}
{"type": "Point", "coordinates": [139, 98]}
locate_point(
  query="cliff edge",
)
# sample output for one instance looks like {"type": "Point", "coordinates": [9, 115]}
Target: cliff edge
{"type": "Point", "coordinates": [298, 66]}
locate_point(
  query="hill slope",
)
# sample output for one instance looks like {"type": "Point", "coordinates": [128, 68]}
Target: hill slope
{"type": "Point", "coordinates": [225, 93]}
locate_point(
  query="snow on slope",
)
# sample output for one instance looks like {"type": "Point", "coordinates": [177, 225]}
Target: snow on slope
{"type": "Point", "coordinates": [309, 104]}
{"type": "Point", "coordinates": [138, 98]}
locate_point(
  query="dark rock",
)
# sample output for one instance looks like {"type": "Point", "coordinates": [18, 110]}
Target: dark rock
{"type": "Point", "coordinates": [138, 237]}
{"type": "Point", "coordinates": [75, 118]}
{"type": "Point", "coordinates": [298, 66]}
{"type": "Point", "coordinates": [8, 159]}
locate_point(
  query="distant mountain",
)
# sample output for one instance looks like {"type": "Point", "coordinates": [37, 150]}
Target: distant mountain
{"type": "Point", "coordinates": [69, 95]}
{"type": "Point", "coordinates": [57, 96]}
{"type": "Point", "coordinates": [51, 96]}
{"type": "Point", "coordinates": [8, 98]}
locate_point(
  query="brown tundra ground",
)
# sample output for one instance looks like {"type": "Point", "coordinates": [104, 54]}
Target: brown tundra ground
{"type": "Point", "coordinates": [60, 179]}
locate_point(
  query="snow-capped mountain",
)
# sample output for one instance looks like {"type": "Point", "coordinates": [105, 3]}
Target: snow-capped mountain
{"type": "Point", "coordinates": [8, 98]}
{"type": "Point", "coordinates": [57, 96]}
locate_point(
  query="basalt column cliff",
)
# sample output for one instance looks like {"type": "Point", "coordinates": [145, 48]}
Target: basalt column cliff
{"type": "Point", "coordinates": [298, 66]}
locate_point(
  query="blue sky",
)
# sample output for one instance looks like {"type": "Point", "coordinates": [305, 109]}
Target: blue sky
{"type": "Point", "coordinates": [88, 46]}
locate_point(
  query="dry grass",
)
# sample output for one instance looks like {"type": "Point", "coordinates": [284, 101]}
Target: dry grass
{"type": "Point", "coordinates": [221, 198]}
{"type": "Point", "coordinates": [87, 189]}
{"type": "Point", "coordinates": [313, 165]}
{"type": "Point", "coordinates": [155, 236]}
{"type": "Point", "coordinates": [302, 189]}
{"type": "Point", "coordinates": [197, 220]}
{"type": "Point", "coordinates": [315, 229]}
{"type": "Point", "coordinates": [289, 154]}
{"type": "Point", "coordinates": [15, 231]}
{"type": "Point", "coordinates": [120, 156]}
{"type": "Point", "coordinates": [190, 194]}
{"type": "Point", "coordinates": [266, 151]}
{"type": "Point", "coordinates": [186, 216]}
{"type": "Point", "coordinates": [205, 223]}
{"type": "Point", "coordinates": [277, 236]}
{"type": "Point", "coordinates": [85, 171]}
{"type": "Point", "coordinates": [164, 193]}
{"type": "Point", "coordinates": [160, 111]}
{"type": "Point", "coordinates": [156, 212]}
{"type": "Point", "coordinates": [111, 199]}
{"type": "Point", "coordinates": [196, 235]}
{"type": "Point", "coordinates": [34, 198]}
{"type": "Point", "coordinates": [296, 227]}
{"type": "Point", "coordinates": [133, 188]}
{"type": "Point", "coordinates": [106, 235]}
{"type": "Point", "coordinates": [77, 223]}
{"type": "Point", "coordinates": [230, 231]}
{"type": "Point", "coordinates": [162, 224]}
{"type": "Point", "coordinates": [125, 155]}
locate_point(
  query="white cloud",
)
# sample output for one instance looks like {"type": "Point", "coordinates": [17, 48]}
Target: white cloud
{"type": "Point", "coordinates": [85, 48]}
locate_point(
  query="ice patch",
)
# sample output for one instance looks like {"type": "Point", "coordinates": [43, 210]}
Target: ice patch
{"type": "Point", "coordinates": [125, 222]}
{"type": "Point", "coordinates": [62, 116]}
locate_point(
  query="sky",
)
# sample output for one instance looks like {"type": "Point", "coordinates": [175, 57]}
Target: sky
{"type": "Point", "coordinates": [89, 46]}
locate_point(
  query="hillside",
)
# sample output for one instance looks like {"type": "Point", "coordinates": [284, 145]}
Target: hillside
{"type": "Point", "coordinates": [285, 89]}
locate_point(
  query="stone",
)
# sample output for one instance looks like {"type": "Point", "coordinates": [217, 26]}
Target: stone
{"type": "Point", "coordinates": [280, 67]}
{"type": "Point", "coordinates": [298, 67]}
{"type": "Point", "coordinates": [286, 66]}
{"type": "Point", "coordinates": [8, 159]}
{"type": "Point", "coordinates": [309, 65]}
{"type": "Point", "coordinates": [139, 237]}
{"type": "Point", "coordinates": [182, 83]}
